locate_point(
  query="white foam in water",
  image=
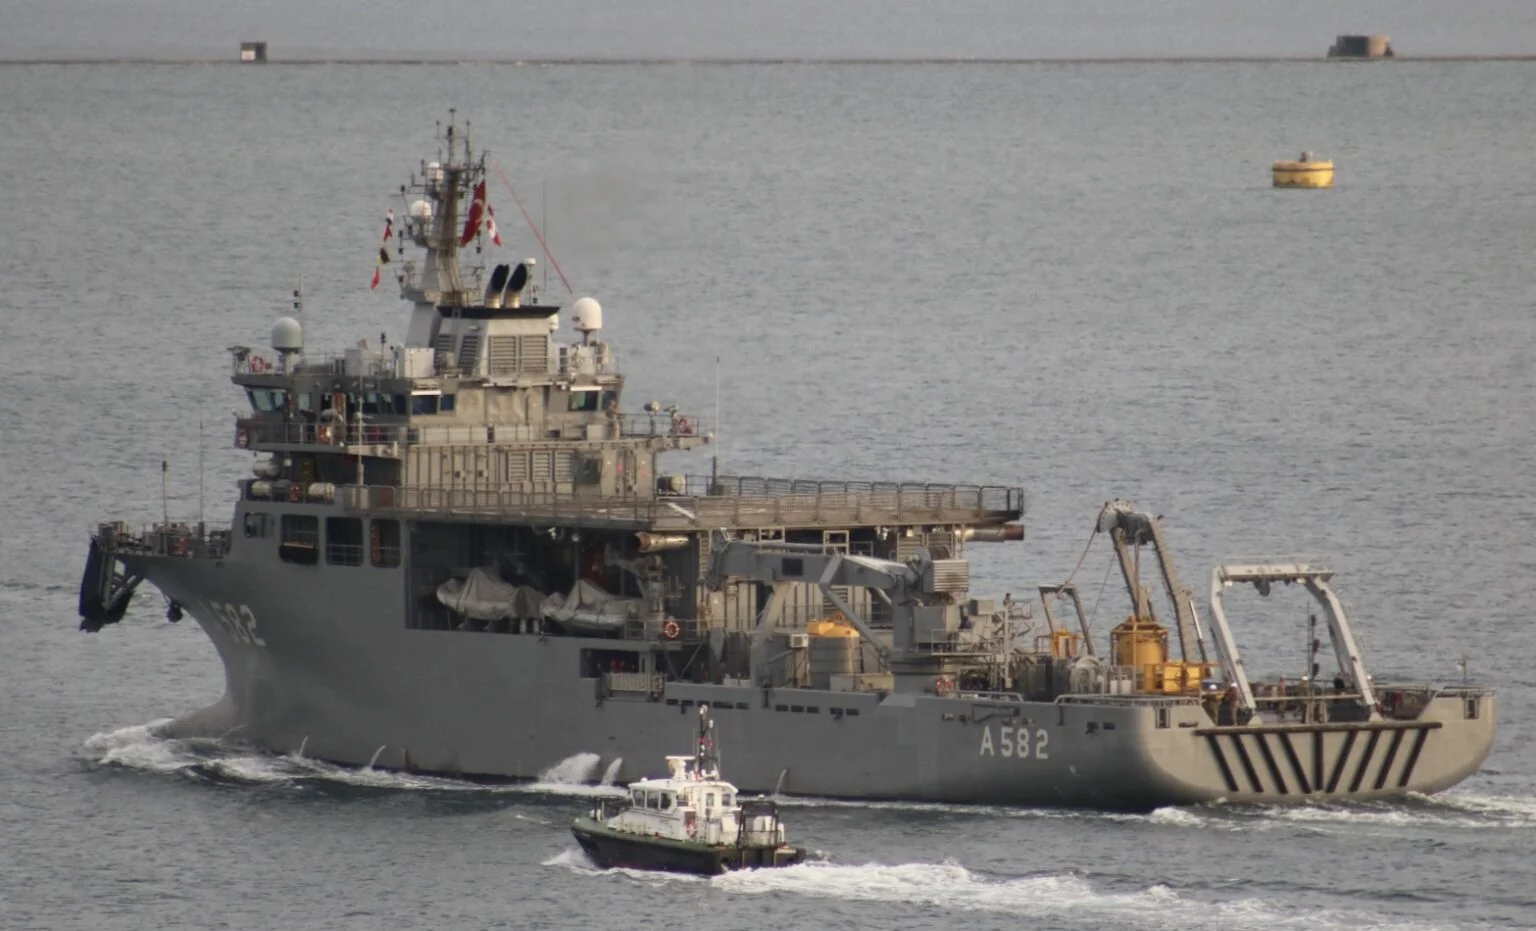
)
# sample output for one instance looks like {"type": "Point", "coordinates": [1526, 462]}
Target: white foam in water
{"type": "Point", "coordinates": [612, 772]}
{"type": "Point", "coordinates": [575, 775]}
{"type": "Point", "coordinates": [573, 769]}
{"type": "Point", "coordinates": [141, 746]}
{"type": "Point", "coordinates": [951, 886]}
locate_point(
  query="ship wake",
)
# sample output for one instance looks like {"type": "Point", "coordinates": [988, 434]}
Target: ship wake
{"type": "Point", "coordinates": [149, 748]}
{"type": "Point", "coordinates": [1055, 898]}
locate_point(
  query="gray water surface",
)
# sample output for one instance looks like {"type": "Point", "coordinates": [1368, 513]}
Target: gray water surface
{"type": "Point", "coordinates": [1075, 278]}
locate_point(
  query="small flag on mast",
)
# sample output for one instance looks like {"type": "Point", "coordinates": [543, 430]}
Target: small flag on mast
{"type": "Point", "coordinates": [490, 225]}
{"type": "Point", "coordinates": [389, 232]}
{"type": "Point", "coordinates": [476, 214]}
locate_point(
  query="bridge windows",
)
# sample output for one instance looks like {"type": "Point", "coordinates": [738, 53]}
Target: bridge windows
{"type": "Point", "coordinates": [344, 541]}
{"type": "Point", "coordinates": [432, 403]}
{"type": "Point", "coordinates": [299, 540]}
{"type": "Point", "coordinates": [268, 400]}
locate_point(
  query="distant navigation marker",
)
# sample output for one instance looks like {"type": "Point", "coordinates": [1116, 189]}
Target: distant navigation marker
{"type": "Point", "coordinates": [253, 52]}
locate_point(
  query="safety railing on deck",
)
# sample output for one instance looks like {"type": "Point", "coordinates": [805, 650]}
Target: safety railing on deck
{"type": "Point", "coordinates": [728, 501]}
{"type": "Point", "coordinates": [201, 541]}
{"type": "Point", "coordinates": [257, 432]}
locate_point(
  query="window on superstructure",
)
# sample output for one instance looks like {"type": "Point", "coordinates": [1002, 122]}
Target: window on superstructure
{"type": "Point", "coordinates": [423, 404]}
{"type": "Point", "coordinates": [584, 400]}
{"type": "Point", "coordinates": [299, 539]}
{"type": "Point", "coordinates": [445, 404]}
{"type": "Point", "coordinates": [268, 400]}
{"type": "Point", "coordinates": [725, 799]}
{"type": "Point", "coordinates": [588, 469]}
{"type": "Point", "coordinates": [306, 402]}
{"type": "Point", "coordinates": [384, 543]}
{"type": "Point", "coordinates": [344, 541]}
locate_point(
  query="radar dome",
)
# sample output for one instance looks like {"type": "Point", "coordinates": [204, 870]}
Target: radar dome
{"type": "Point", "coordinates": [586, 315]}
{"type": "Point", "coordinates": [287, 335]}
{"type": "Point", "coordinates": [421, 210]}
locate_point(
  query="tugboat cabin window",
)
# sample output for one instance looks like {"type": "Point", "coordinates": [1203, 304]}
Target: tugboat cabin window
{"type": "Point", "coordinates": [725, 800]}
{"type": "Point", "coordinates": [344, 541]}
{"type": "Point", "coordinates": [638, 797]}
{"type": "Point", "coordinates": [584, 400]}
{"type": "Point", "coordinates": [666, 801]}
{"type": "Point", "coordinates": [709, 800]}
{"type": "Point", "coordinates": [300, 539]}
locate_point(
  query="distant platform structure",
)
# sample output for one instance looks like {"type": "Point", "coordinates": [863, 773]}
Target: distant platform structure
{"type": "Point", "coordinates": [253, 52]}
{"type": "Point", "coordinates": [1361, 47]}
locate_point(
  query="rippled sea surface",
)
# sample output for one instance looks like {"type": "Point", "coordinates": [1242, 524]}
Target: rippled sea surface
{"type": "Point", "coordinates": [1074, 278]}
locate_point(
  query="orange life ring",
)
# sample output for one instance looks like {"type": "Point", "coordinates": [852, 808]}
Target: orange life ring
{"type": "Point", "coordinates": [241, 439]}
{"type": "Point", "coordinates": [258, 365]}
{"type": "Point", "coordinates": [179, 546]}
{"type": "Point", "coordinates": [942, 686]}
{"type": "Point", "coordinates": [671, 630]}
{"type": "Point", "coordinates": [295, 492]}
{"type": "Point", "coordinates": [323, 432]}
{"type": "Point", "coordinates": [684, 428]}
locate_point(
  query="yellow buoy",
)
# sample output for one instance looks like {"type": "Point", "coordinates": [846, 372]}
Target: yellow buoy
{"type": "Point", "coordinates": [1304, 172]}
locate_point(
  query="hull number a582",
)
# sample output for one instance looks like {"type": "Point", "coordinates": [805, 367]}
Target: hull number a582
{"type": "Point", "coordinates": [1016, 742]}
{"type": "Point", "coordinates": [238, 621]}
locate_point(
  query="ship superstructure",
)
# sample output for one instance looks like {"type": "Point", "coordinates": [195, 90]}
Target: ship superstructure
{"type": "Point", "coordinates": [460, 554]}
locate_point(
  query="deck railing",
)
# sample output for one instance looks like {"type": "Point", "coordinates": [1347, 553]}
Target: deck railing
{"type": "Point", "coordinates": [202, 541]}
{"type": "Point", "coordinates": [257, 432]}
{"type": "Point", "coordinates": [707, 502]}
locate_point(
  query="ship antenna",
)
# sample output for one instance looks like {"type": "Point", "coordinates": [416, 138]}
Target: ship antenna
{"type": "Point", "coordinates": [714, 466]}
{"type": "Point", "coordinates": [298, 310]}
{"type": "Point", "coordinates": [200, 477]}
{"type": "Point", "coordinates": [537, 235]}
{"type": "Point", "coordinates": [165, 481]}
{"type": "Point", "coordinates": [544, 222]}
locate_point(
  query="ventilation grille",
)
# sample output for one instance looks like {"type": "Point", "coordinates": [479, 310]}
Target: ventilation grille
{"type": "Point", "coordinates": [503, 355]}
{"type": "Point", "coordinates": [469, 350]}
{"type": "Point", "coordinates": [534, 354]}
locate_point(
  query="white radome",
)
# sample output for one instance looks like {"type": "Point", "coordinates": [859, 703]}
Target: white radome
{"type": "Point", "coordinates": [287, 335]}
{"type": "Point", "coordinates": [586, 315]}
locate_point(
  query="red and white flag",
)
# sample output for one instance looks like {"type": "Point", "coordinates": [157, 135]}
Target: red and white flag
{"type": "Point", "coordinates": [389, 232]}
{"type": "Point", "coordinates": [490, 225]}
{"type": "Point", "coordinates": [476, 214]}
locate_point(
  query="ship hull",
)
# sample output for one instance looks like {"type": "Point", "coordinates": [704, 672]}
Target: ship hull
{"type": "Point", "coordinates": [327, 664]}
{"type": "Point", "coordinates": [609, 849]}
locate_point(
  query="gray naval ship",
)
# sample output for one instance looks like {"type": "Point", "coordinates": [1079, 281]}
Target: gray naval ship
{"type": "Point", "coordinates": [461, 555]}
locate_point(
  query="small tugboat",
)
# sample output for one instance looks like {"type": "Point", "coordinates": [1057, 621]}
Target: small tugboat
{"type": "Point", "coordinates": [690, 822]}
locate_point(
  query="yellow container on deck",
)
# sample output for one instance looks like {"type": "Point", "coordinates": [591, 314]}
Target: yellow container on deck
{"type": "Point", "coordinates": [830, 627]}
{"type": "Point", "coordinates": [1303, 172]}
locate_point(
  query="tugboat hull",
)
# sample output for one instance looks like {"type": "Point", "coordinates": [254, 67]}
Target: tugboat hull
{"type": "Point", "coordinates": [609, 848]}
